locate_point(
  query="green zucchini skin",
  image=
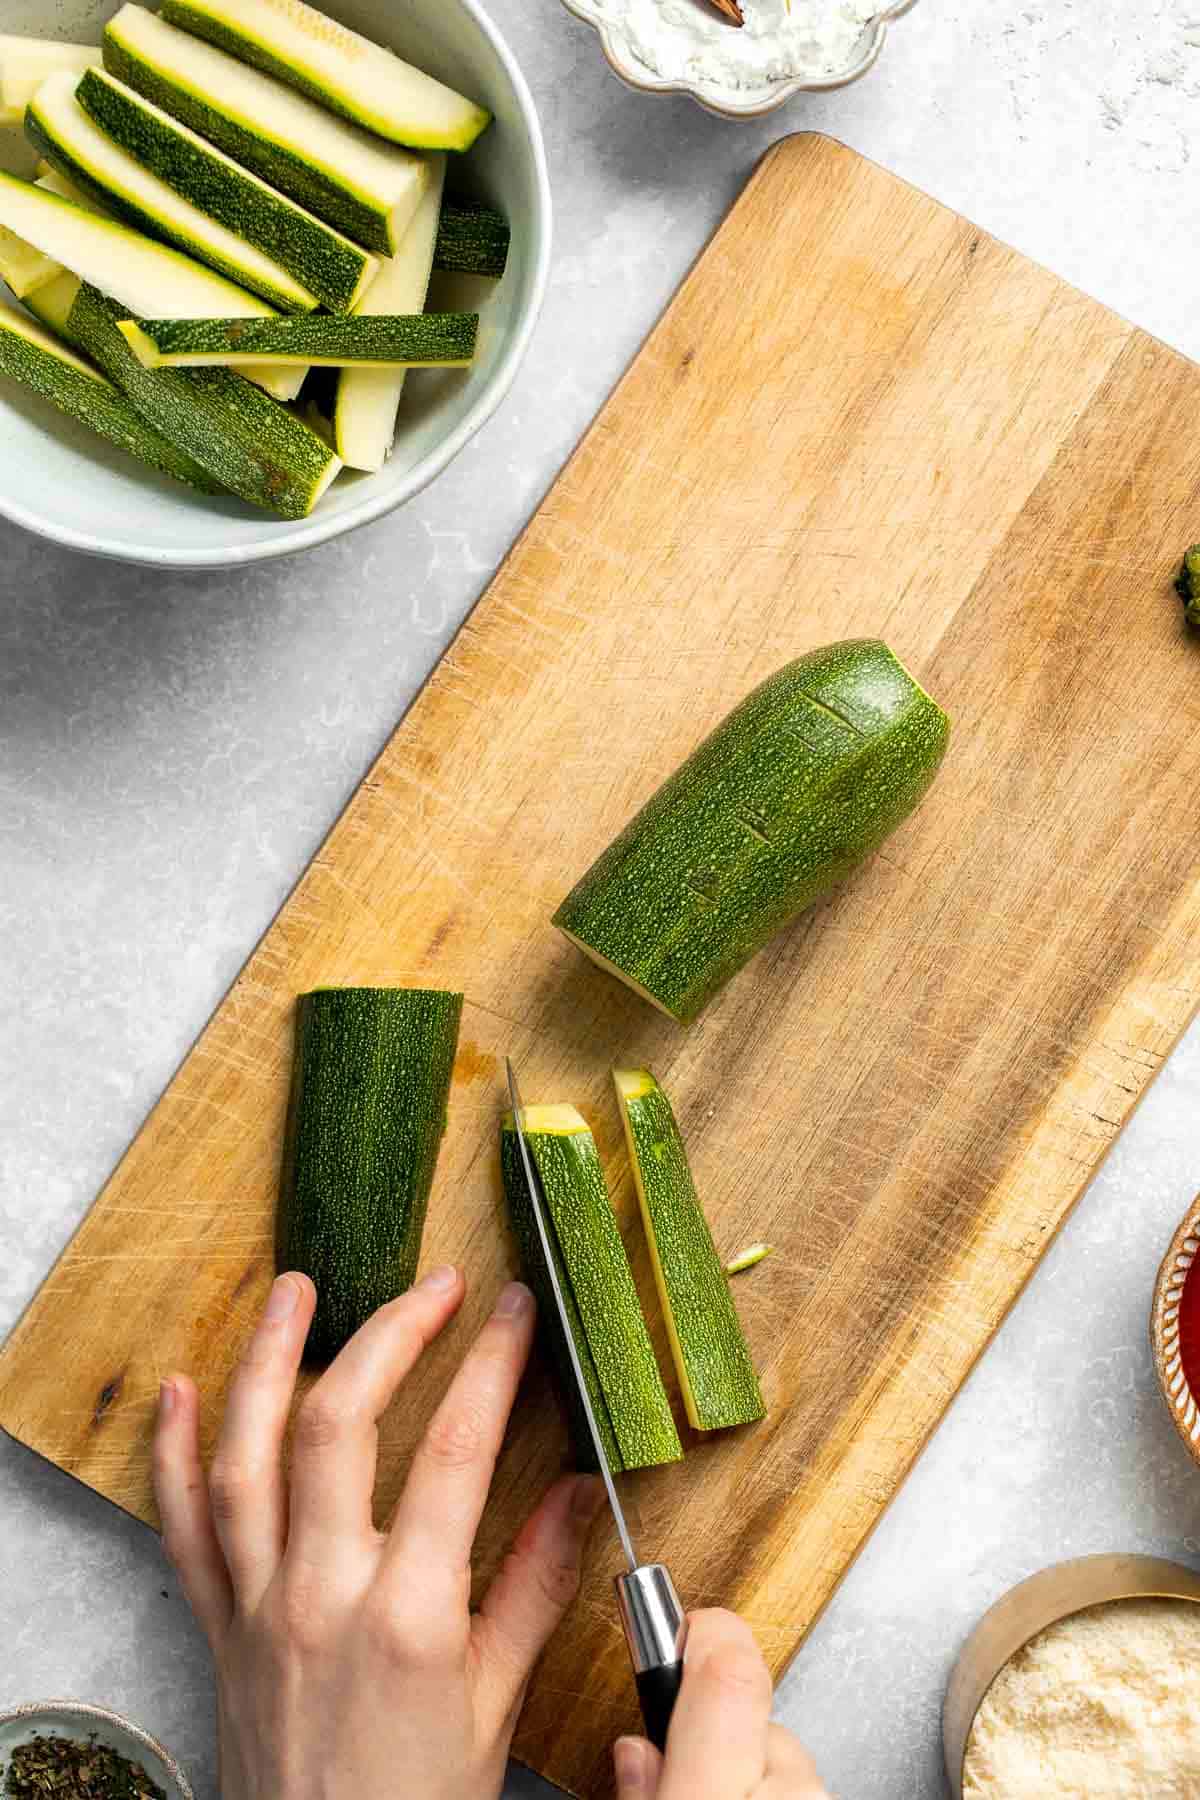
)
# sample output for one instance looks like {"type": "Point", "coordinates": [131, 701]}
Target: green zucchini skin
{"type": "Point", "coordinates": [366, 1116]}
{"type": "Point", "coordinates": [365, 219]}
{"type": "Point", "coordinates": [620, 1368]}
{"type": "Point", "coordinates": [720, 1386]}
{"type": "Point", "coordinates": [244, 440]}
{"type": "Point", "coordinates": [796, 787]}
{"type": "Point", "coordinates": [411, 339]}
{"type": "Point", "coordinates": [332, 268]}
{"type": "Point", "coordinates": [96, 403]}
{"type": "Point", "coordinates": [472, 240]}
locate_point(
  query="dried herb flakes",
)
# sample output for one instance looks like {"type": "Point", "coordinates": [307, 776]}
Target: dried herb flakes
{"type": "Point", "coordinates": [58, 1768]}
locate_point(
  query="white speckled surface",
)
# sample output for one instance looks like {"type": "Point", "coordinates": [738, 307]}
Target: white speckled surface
{"type": "Point", "coordinates": [173, 748]}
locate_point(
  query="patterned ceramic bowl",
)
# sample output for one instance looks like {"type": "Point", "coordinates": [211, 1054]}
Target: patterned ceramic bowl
{"type": "Point", "coordinates": [734, 103]}
{"type": "Point", "coordinates": [1165, 1330]}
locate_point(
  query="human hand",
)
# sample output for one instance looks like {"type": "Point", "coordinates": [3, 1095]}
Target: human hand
{"type": "Point", "coordinates": [722, 1744]}
{"type": "Point", "coordinates": [349, 1666]}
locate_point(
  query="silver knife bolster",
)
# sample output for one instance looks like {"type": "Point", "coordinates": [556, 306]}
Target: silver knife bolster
{"type": "Point", "coordinates": [654, 1621]}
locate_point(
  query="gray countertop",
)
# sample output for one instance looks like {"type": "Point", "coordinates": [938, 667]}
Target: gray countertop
{"type": "Point", "coordinates": [174, 747]}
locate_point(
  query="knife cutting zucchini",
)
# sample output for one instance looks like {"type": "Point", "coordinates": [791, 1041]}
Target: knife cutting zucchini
{"type": "Point", "coordinates": [720, 1387]}
{"type": "Point", "coordinates": [366, 1116]}
{"type": "Point", "coordinates": [615, 1352]}
{"type": "Point", "coordinates": [801, 782]}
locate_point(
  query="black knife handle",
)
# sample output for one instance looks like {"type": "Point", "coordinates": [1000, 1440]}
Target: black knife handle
{"type": "Point", "coordinates": [658, 1690]}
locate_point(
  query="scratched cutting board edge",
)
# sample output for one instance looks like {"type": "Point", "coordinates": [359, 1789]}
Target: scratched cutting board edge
{"type": "Point", "coordinates": [859, 416]}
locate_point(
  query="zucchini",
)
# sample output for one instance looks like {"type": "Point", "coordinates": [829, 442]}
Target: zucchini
{"type": "Point", "coordinates": [137, 273]}
{"type": "Point", "coordinates": [342, 71]}
{"type": "Point", "coordinates": [802, 781]}
{"type": "Point", "coordinates": [615, 1352]}
{"type": "Point", "coordinates": [280, 383]}
{"type": "Point", "coordinates": [472, 240]}
{"type": "Point", "coordinates": [749, 1258]}
{"type": "Point", "coordinates": [40, 362]}
{"type": "Point", "coordinates": [256, 448]}
{"type": "Point", "coordinates": [368, 400]}
{"type": "Point", "coordinates": [410, 340]}
{"type": "Point", "coordinates": [325, 264]}
{"type": "Point", "coordinates": [367, 189]}
{"type": "Point", "coordinates": [71, 142]}
{"type": "Point", "coordinates": [367, 1112]}
{"type": "Point", "coordinates": [26, 62]}
{"type": "Point", "coordinates": [720, 1387]}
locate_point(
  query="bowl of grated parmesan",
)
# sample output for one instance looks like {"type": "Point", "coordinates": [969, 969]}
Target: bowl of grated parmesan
{"type": "Point", "coordinates": [740, 58]}
{"type": "Point", "coordinates": [1080, 1684]}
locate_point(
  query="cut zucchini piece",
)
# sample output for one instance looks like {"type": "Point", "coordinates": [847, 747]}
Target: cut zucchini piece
{"type": "Point", "coordinates": [132, 269]}
{"type": "Point", "coordinates": [720, 1387]}
{"type": "Point", "coordinates": [336, 67]}
{"type": "Point", "coordinates": [367, 189]}
{"type": "Point", "coordinates": [370, 1084]}
{"type": "Point", "coordinates": [256, 448]}
{"type": "Point", "coordinates": [59, 127]}
{"type": "Point", "coordinates": [26, 62]}
{"type": "Point", "coordinates": [410, 340]}
{"type": "Point", "coordinates": [472, 240]}
{"type": "Point", "coordinates": [323, 262]}
{"type": "Point", "coordinates": [368, 400]}
{"type": "Point", "coordinates": [280, 383]}
{"type": "Point", "coordinates": [749, 1258]}
{"type": "Point", "coordinates": [622, 1375]}
{"type": "Point", "coordinates": [40, 362]}
{"type": "Point", "coordinates": [801, 782]}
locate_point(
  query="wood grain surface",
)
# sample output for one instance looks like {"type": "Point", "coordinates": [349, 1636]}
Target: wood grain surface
{"type": "Point", "coordinates": [860, 416]}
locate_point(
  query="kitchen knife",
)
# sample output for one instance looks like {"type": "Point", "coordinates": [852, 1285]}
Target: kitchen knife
{"type": "Point", "coordinates": [651, 1614]}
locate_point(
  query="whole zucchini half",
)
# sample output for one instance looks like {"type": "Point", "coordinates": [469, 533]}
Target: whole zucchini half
{"type": "Point", "coordinates": [802, 781]}
{"type": "Point", "coordinates": [619, 1366]}
{"type": "Point", "coordinates": [365, 1121]}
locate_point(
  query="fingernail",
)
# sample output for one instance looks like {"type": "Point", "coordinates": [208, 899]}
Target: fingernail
{"type": "Point", "coordinates": [514, 1299]}
{"type": "Point", "coordinates": [587, 1499]}
{"type": "Point", "coordinates": [441, 1279]}
{"type": "Point", "coordinates": [168, 1393]}
{"type": "Point", "coordinates": [281, 1302]}
{"type": "Point", "coordinates": [629, 1760]}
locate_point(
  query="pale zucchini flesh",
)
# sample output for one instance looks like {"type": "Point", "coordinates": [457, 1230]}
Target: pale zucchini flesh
{"type": "Point", "coordinates": [368, 189]}
{"type": "Point", "coordinates": [26, 62]}
{"type": "Point", "coordinates": [131, 269]}
{"type": "Point", "coordinates": [420, 340]}
{"type": "Point", "coordinates": [40, 362]}
{"type": "Point", "coordinates": [62, 131]}
{"type": "Point", "coordinates": [256, 448]}
{"type": "Point", "coordinates": [336, 67]}
{"type": "Point", "coordinates": [624, 1385]}
{"type": "Point", "coordinates": [716, 1375]}
{"type": "Point", "coordinates": [322, 261]}
{"type": "Point", "coordinates": [368, 400]}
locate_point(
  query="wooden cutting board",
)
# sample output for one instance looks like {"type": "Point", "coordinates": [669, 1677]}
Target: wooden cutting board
{"type": "Point", "coordinates": [860, 416]}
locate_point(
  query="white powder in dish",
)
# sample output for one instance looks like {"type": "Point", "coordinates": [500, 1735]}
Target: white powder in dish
{"type": "Point", "coordinates": [1101, 1706]}
{"type": "Point", "coordinates": [779, 40]}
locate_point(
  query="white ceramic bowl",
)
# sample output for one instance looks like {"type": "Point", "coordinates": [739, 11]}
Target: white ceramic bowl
{"type": "Point", "coordinates": [74, 1719]}
{"type": "Point", "coordinates": [57, 479]}
{"type": "Point", "coordinates": [728, 102]}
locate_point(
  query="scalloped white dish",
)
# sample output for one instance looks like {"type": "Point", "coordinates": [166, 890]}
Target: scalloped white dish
{"type": "Point", "coordinates": [732, 102]}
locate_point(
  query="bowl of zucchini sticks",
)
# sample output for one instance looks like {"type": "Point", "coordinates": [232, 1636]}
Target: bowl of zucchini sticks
{"type": "Point", "coordinates": [264, 269]}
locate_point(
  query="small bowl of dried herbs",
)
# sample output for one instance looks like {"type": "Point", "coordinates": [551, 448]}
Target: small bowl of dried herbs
{"type": "Point", "coordinates": [64, 1750]}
